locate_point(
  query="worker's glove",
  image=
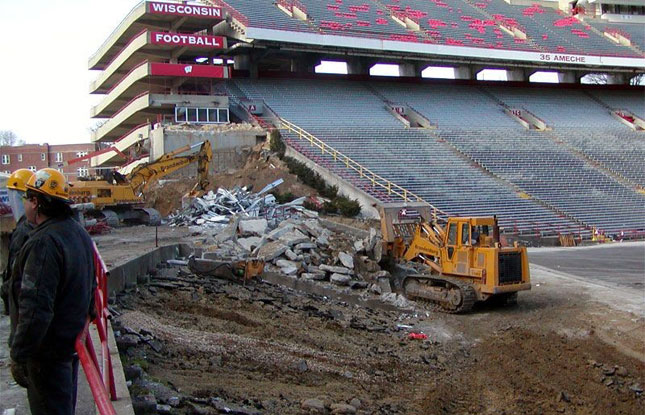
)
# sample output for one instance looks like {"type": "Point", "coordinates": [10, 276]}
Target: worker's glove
{"type": "Point", "coordinates": [19, 373]}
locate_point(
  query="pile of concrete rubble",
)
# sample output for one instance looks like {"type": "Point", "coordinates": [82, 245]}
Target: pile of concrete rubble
{"type": "Point", "coordinates": [308, 249]}
{"type": "Point", "coordinates": [216, 208]}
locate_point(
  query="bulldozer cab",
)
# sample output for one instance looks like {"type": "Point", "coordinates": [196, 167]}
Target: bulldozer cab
{"type": "Point", "coordinates": [463, 237]}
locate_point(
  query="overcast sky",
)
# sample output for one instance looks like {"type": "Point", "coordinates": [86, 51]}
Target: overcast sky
{"type": "Point", "coordinates": [44, 80]}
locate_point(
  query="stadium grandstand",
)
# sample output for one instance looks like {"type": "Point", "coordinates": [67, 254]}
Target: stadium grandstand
{"type": "Point", "coordinates": [546, 158]}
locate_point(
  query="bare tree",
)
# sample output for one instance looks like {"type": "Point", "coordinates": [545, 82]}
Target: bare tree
{"type": "Point", "coordinates": [97, 124]}
{"type": "Point", "coordinates": [595, 79]}
{"type": "Point", "coordinates": [9, 138]}
{"type": "Point", "coordinates": [638, 79]}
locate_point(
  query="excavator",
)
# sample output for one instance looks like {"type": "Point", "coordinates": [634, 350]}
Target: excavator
{"type": "Point", "coordinates": [451, 265]}
{"type": "Point", "coordinates": [118, 198]}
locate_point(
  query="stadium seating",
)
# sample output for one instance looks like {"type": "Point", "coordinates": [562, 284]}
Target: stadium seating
{"type": "Point", "coordinates": [417, 160]}
{"type": "Point", "coordinates": [473, 23]}
{"type": "Point", "coordinates": [263, 14]}
{"type": "Point", "coordinates": [479, 161]}
{"type": "Point", "coordinates": [632, 31]}
{"type": "Point", "coordinates": [355, 17]}
{"type": "Point", "coordinates": [554, 31]}
{"type": "Point", "coordinates": [534, 161]}
{"type": "Point", "coordinates": [621, 99]}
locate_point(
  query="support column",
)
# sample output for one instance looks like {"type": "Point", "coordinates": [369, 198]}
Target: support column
{"type": "Point", "coordinates": [411, 69]}
{"type": "Point", "coordinates": [517, 75]}
{"type": "Point", "coordinates": [246, 63]}
{"type": "Point", "coordinates": [465, 72]}
{"type": "Point", "coordinates": [569, 77]}
{"type": "Point", "coordinates": [359, 66]}
{"type": "Point", "coordinates": [306, 64]}
{"type": "Point", "coordinates": [617, 79]}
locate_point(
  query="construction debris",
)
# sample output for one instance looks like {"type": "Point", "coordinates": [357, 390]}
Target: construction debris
{"type": "Point", "coordinates": [216, 208]}
{"type": "Point", "coordinates": [298, 247]}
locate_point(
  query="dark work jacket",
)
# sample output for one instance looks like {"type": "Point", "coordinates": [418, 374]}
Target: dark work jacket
{"type": "Point", "coordinates": [18, 238]}
{"type": "Point", "coordinates": [56, 267]}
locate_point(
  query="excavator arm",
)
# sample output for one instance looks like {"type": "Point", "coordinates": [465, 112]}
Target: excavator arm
{"type": "Point", "coordinates": [143, 176]}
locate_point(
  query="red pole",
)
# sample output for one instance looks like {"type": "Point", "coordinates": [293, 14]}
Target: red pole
{"type": "Point", "coordinates": [92, 374]}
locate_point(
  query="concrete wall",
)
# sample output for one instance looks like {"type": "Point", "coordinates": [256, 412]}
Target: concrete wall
{"type": "Point", "coordinates": [128, 274]}
{"type": "Point", "coordinates": [230, 145]}
{"type": "Point", "coordinates": [344, 188]}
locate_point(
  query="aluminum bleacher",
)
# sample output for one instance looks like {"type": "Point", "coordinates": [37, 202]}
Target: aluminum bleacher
{"type": "Point", "coordinates": [622, 99]}
{"type": "Point", "coordinates": [357, 18]}
{"type": "Point", "coordinates": [417, 160]}
{"type": "Point", "coordinates": [472, 23]}
{"type": "Point", "coordinates": [554, 31]}
{"type": "Point", "coordinates": [263, 14]}
{"type": "Point", "coordinates": [533, 161]}
{"type": "Point", "coordinates": [632, 31]}
{"type": "Point", "coordinates": [455, 23]}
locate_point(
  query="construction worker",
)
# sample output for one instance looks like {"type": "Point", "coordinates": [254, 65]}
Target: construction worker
{"type": "Point", "coordinates": [16, 191]}
{"type": "Point", "coordinates": [56, 270]}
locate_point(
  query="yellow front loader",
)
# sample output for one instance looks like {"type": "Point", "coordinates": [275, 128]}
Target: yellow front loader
{"type": "Point", "coordinates": [462, 260]}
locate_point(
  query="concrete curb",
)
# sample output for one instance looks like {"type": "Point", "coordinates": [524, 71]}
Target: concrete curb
{"type": "Point", "coordinates": [125, 275]}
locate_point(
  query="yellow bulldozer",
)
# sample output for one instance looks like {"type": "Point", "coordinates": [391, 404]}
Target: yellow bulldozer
{"type": "Point", "coordinates": [454, 264]}
{"type": "Point", "coordinates": [119, 198]}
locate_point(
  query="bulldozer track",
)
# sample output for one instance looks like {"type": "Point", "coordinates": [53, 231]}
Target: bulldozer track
{"type": "Point", "coordinates": [466, 290]}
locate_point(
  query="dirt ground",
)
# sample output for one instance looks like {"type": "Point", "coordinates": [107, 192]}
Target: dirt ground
{"type": "Point", "coordinates": [268, 348]}
{"type": "Point", "coordinates": [212, 346]}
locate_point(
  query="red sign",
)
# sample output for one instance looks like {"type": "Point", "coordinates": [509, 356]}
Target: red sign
{"type": "Point", "coordinates": [183, 39]}
{"type": "Point", "coordinates": [189, 70]}
{"type": "Point", "coordinates": [176, 9]}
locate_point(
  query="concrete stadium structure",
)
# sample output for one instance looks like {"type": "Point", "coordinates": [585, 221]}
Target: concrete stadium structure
{"type": "Point", "coordinates": [547, 159]}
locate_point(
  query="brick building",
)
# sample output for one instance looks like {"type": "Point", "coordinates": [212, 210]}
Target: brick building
{"type": "Point", "coordinates": [38, 156]}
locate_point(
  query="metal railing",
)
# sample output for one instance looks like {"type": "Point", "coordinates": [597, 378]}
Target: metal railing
{"type": "Point", "coordinates": [363, 172]}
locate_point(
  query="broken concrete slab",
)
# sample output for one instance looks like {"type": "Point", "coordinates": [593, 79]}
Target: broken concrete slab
{"type": "Point", "coordinates": [384, 285]}
{"type": "Point", "coordinates": [257, 227]}
{"type": "Point", "coordinates": [285, 263]}
{"type": "Point", "coordinates": [359, 246]}
{"type": "Point", "coordinates": [249, 243]}
{"type": "Point", "coordinates": [313, 276]}
{"type": "Point", "coordinates": [272, 250]}
{"type": "Point", "coordinates": [230, 232]}
{"type": "Point", "coordinates": [346, 259]}
{"type": "Point", "coordinates": [340, 279]}
{"type": "Point", "coordinates": [280, 231]}
{"type": "Point", "coordinates": [323, 239]}
{"type": "Point", "coordinates": [313, 227]}
{"type": "Point", "coordinates": [306, 245]}
{"type": "Point", "coordinates": [336, 270]}
{"type": "Point", "coordinates": [293, 237]}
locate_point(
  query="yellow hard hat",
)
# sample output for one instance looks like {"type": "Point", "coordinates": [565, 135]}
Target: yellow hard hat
{"type": "Point", "coordinates": [19, 179]}
{"type": "Point", "coordinates": [50, 182]}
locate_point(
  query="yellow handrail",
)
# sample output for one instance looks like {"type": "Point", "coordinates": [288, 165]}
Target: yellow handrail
{"type": "Point", "coordinates": [375, 179]}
